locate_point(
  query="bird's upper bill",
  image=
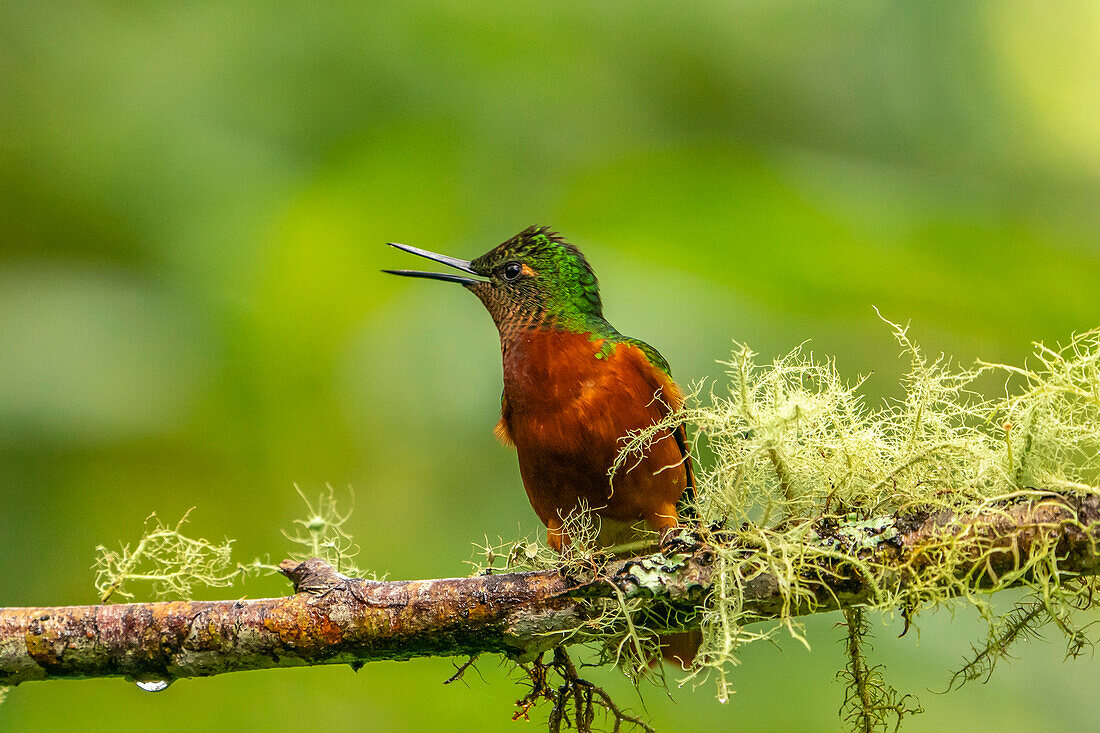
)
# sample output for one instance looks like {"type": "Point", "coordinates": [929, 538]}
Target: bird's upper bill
{"type": "Point", "coordinates": [463, 265]}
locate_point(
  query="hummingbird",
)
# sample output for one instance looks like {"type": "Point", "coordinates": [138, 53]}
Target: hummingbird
{"type": "Point", "coordinates": [574, 387]}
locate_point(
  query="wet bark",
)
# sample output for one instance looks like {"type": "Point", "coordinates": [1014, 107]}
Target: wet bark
{"type": "Point", "coordinates": [331, 619]}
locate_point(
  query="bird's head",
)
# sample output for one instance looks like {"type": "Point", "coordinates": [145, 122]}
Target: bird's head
{"type": "Point", "coordinates": [534, 280]}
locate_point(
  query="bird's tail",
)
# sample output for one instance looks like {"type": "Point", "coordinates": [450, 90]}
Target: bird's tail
{"type": "Point", "coordinates": [680, 649]}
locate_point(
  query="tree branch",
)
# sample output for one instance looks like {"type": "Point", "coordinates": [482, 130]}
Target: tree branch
{"type": "Point", "coordinates": [332, 619]}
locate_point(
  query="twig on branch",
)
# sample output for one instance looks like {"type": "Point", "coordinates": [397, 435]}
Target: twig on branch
{"type": "Point", "coordinates": [332, 619]}
{"type": "Point", "coordinates": [460, 670]}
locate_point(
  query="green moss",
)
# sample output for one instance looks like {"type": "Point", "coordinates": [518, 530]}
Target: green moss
{"type": "Point", "coordinates": [172, 564]}
{"type": "Point", "coordinates": [321, 534]}
{"type": "Point", "coordinates": [166, 559]}
{"type": "Point", "coordinates": [870, 704]}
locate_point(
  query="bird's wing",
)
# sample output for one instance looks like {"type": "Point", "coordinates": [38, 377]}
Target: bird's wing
{"type": "Point", "coordinates": [669, 400]}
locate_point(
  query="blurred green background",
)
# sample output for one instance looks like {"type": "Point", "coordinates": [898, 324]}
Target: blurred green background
{"type": "Point", "coordinates": [194, 200]}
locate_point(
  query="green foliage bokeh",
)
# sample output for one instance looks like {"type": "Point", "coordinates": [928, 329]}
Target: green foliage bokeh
{"type": "Point", "coordinates": [194, 201]}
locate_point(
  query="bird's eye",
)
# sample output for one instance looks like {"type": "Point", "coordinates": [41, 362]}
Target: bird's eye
{"type": "Point", "coordinates": [512, 270]}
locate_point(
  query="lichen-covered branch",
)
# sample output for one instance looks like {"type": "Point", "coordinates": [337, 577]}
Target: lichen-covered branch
{"type": "Point", "coordinates": [331, 619]}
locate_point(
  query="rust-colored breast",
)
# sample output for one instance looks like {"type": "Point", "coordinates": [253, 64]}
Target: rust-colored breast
{"type": "Point", "coordinates": [567, 411]}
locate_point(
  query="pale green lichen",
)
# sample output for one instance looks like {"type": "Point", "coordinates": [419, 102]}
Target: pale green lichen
{"type": "Point", "coordinates": [580, 525]}
{"type": "Point", "coordinates": [173, 565]}
{"type": "Point", "coordinates": [321, 534]}
{"type": "Point", "coordinates": [870, 704]}
{"type": "Point", "coordinates": [170, 562]}
{"type": "Point", "coordinates": [651, 573]}
{"type": "Point", "coordinates": [854, 535]}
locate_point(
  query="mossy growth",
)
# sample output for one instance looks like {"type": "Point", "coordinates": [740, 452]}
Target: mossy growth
{"type": "Point", "coordinates": [805, 476]}
{"type": "Point", "coordinates": [321, 534]}
{"type": "Point", "coordinates": [172, 565]}
{"type": "Point", "coordinates": [166, 559]}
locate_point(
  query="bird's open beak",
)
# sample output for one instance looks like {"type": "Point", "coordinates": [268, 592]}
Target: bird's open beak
{"type": "Point", "coordinates": [463, 265]}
